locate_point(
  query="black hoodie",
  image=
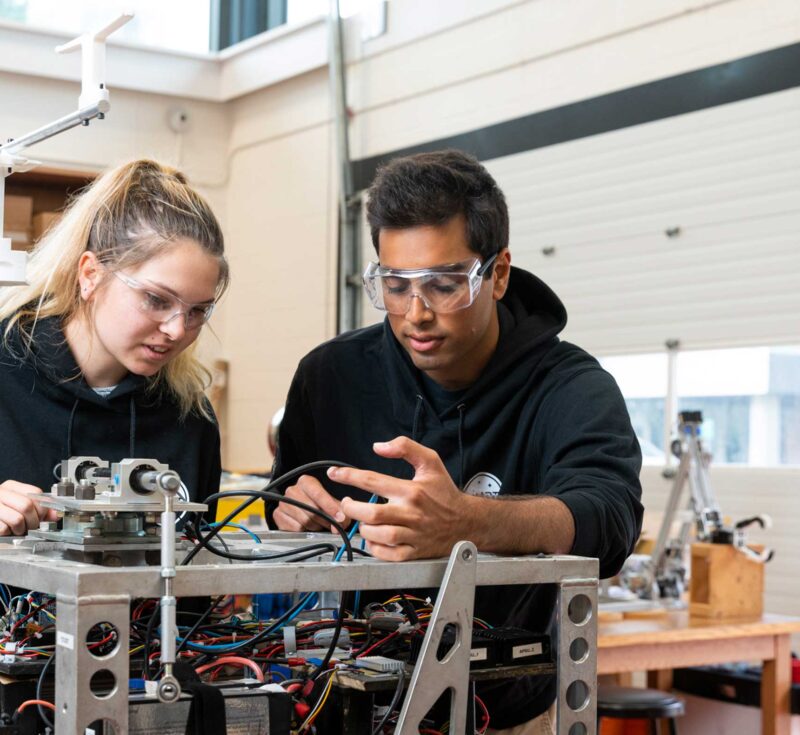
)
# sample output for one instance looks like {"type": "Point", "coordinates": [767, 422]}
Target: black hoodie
{"type": "Point", "coordinates": [49, 413]}
{"type": "Point", "coordinates": [543, 418]}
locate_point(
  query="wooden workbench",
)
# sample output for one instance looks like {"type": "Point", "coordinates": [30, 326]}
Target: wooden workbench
{"type": "Point", "coordinates": [660, 644]}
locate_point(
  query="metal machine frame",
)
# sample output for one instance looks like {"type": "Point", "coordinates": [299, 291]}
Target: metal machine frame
{"type": "Point", "coordinates": [661, 575]}
{"type": "Point", "coordinates": [87, 595]}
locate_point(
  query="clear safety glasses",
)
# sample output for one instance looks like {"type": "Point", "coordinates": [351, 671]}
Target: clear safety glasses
{"type": "Point", "coordinates": [442, 289]}
{"type": "Point", "coordinates": [162, 307]}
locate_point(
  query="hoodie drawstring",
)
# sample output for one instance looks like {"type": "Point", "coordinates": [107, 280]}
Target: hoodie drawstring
{"type": "Point", "coordinates": [461, 408]}
{"type": "Point", "coordinates": [69, 427]}
{"type": "Point", "coordinates": [132, 439]}
{"type": "Point", "coordinates": [417, 417]}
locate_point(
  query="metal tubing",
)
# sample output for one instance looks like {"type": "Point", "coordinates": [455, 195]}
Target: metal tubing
{"type": "Point", "coordinates": [79, 117]}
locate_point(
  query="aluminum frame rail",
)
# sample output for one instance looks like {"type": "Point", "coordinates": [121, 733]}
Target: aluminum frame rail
{"type": "Point", "coordinates": [87, 595]}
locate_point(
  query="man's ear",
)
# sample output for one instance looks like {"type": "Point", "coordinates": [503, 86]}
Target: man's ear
{"type": "Point", "coordinates": [90, 273]}
{"type": "Point", "coordinates": [501, 270]}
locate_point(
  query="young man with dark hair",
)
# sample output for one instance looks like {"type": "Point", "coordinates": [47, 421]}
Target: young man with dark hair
{"type": "Point", "coordinates": [461, 402]}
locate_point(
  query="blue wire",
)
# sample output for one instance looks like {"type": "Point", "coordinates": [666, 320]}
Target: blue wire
{"type": "Point", "coordinates": [310, 597]}
{"type": "Point", "coordinates": [352, 532]}
{"type": "Point", "coordinates": [253, 535]}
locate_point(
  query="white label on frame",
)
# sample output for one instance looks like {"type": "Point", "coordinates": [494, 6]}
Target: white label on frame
{"type": "Point", "coordinates": [65, 640]}
{"type": "Point", "coordinates": [528, 649]}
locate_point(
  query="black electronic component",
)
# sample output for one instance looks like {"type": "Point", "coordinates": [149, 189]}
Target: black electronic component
{"type": "Point", "coordinates": [515, 647]}
{"type": "Point", "coordinates": [482, 654]}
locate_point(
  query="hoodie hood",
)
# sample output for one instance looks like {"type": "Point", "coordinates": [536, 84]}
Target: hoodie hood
{"type": "Point", "coordinates": [50, 356]}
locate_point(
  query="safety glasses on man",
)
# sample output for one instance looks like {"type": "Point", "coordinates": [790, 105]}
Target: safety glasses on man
{"type": "Point", "coordinates": [162, 307]}
{"type": "Point", "coordinates": [443, 288]}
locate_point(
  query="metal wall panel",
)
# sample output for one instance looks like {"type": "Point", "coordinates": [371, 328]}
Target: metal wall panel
{"type": "Point", "coordinates": [728, 177]}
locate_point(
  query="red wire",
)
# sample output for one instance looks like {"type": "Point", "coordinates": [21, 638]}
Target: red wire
{"type": "Point", "coordinates": [109, 637]}
{"type": "Point", "coordinates": [233, 660]}
{"type": "Point", "coordinates": [485, 713]}
{"type": "Point", "coordinates": [36, 701]}
{"type": "Point", "coordinates": [379, 643]}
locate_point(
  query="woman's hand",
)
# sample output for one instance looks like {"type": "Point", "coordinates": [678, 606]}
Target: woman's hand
{"type": "Point", "coordinates": [20, 512]}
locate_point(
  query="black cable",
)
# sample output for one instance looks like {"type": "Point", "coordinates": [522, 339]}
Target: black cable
{"type": "Point", "coordinates": [147, 638]}
{"type": "Point", "coordinates": [312, 549]}
{"type": "Point", "coordinates": [42, 711]}
{"type": "Point", "coordinates": [253, 495]}
{"type": "Point", "coordinates": [337, 629]}
{"type": "Point", "coordinates": [267, 495]}
{"type": "Point", "coordinates": [264, 634]}
{"type": "Point", "coordinates": [401, 678]}
{"type": "Point", "coordinates": [199, 622]}
{"type": "Point", "coordinates": [219, 538]}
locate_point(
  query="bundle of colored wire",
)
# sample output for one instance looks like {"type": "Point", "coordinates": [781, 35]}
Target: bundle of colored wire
{"type": "Point", "coordinates": [331, 673]}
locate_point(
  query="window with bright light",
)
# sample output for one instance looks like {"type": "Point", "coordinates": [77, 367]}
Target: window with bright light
{"type": "Point", "coordinates": [195, 26]}
{"type": "Point", "coordinates": [180, 25]}
{"type": "Point", "coordinates": [749, 397]}
{"type": "Point", "coordinates": [642, 380]}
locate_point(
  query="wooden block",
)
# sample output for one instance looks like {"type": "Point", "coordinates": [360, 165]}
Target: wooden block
{"type": "Point", "coordinates": [725, 583]}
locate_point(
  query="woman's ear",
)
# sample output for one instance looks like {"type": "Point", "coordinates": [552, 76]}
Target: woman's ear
{"type": "Point", "coordinates": [500, 273]}
{"type": "Point", "coordinates": [90, 273]}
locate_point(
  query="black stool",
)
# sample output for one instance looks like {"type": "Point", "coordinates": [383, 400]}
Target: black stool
{"type": "Point", "coordinates": [633, 703]}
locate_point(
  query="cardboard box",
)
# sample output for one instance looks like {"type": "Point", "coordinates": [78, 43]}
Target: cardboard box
{"type": "Point", "coordinates": [43, 221]}
{"type": "Point", "coordinates": [18, 212]}
{"type": "Point", "coordinates": [20, 239]}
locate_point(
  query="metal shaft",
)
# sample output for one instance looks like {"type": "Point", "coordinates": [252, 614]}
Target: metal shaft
{"type": "Point", "coordinates": [168, 689]}
{"type": "Point", "coordinates": [79, 117]}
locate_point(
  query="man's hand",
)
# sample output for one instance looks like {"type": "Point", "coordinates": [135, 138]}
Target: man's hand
{"type": "Point", "coordinates": [19, 511]}
{"type": "Point", "coordinates": [308, 490]}
{"type": "Point", "coordinates": [424, 516]}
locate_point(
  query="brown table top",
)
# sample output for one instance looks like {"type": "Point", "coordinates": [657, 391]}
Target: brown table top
{"type": "Point", "coordinates": [678, 626]}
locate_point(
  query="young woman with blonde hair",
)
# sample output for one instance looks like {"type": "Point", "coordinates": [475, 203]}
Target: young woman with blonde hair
{"type": "Point", "coordinates": [97, 352]}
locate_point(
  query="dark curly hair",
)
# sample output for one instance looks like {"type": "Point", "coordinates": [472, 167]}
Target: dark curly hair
{"type": "Point", "coordinates": [432, 188]}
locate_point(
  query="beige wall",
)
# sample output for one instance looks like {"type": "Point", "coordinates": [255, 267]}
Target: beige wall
{"type": "Point", "coordinates": [282, 233]}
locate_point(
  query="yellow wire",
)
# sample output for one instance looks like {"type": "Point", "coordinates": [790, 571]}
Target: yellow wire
{"type": "Point", "coordinates": [313, 714]}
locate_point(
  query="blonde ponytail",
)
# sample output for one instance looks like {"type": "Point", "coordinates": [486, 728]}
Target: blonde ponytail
{"type": "Point", "coordinates": [125, 217]}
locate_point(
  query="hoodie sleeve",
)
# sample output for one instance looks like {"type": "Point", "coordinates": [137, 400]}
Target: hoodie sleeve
{"type": "Point", "coordinates": [296, 444]}
{"type": "Point", "coordinates": [591, 462]}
